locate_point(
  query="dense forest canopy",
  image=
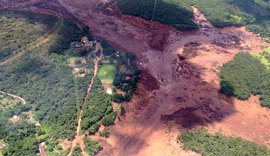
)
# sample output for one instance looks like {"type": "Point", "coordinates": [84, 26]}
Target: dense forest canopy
{"type": "Point", "coordinates": [208, 145]}
{"type": "Point", "coordinates": [248, 74]}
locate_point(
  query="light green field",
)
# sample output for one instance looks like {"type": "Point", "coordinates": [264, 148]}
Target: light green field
{"type": "Point", "coordinates": [262, 59]}
{"type": "Point", "coordinates": [107, 73]}
{"type": "Point", "coordinates": [267, 50]}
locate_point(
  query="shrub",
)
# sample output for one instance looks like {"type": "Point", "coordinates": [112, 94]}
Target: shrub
{"type": "Point", "coordinates": [105, 133]}
{"type": "Point", "coordinates": [109, 119]}
{"type": "Point", "coordinates": [246, 75]}
{"type": "Point", "coordinates": [91, 147]}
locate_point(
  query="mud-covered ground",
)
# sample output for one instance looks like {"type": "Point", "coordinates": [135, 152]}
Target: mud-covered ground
{"type": "Point", "coordinates": [179, 88]}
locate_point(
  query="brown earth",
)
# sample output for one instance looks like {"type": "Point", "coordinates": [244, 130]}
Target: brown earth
{"type": "Point", "coordinates": [183, 90]}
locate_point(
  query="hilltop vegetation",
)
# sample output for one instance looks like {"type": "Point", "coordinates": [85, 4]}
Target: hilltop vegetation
{"type": "Point", "coordinates": [209, 145]}
{"type": "Point", "coordinates": [248, 74]}
{"type": "Point", "coordinates": [19, 28]}
{"type": "Point", "coordinates": [255, 14]}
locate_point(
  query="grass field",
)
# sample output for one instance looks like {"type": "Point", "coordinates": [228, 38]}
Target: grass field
{"type": "Point", "coordinates": [107, 74]}
{"type": "Point", "coordinates": [267, 50]}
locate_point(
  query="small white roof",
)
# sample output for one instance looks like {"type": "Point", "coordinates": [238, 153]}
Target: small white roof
{"type": "Point", "coordinates": [109, 91]}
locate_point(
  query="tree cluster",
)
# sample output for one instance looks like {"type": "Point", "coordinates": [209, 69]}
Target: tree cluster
{"type": "Point", "coordinates": [208, 145]}
{"type": "Point", "coordinates": [246, 76]}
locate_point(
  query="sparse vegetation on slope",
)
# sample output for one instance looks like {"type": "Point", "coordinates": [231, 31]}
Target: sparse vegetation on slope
{"type": "Point", "coordinates": [91, 147]}
{"type": "Point", "coordinates": [176, 13]}
{"type": "Point", "coordinates": [255, 14]}
{"type": "Point", "coordinates": [107, 73]}
{"type": "Point", "coordinates": [70, 32]}
{"type": "Point", "coordinates": [209, 145]}
{"type": "Point", "coordinates": [248, 74]}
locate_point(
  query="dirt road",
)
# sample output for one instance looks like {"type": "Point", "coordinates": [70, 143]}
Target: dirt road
{"type": "Point", "coordinates": [184, 67]}
{"type": "Point", "coordinates": [79, 138]}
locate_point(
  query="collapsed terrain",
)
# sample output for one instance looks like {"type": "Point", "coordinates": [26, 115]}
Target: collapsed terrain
{"type": "Point", "coordinates": [179, 86]}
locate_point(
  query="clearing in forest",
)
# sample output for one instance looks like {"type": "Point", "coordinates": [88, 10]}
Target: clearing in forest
{"type": "Point", "coordinates": [107, 74]}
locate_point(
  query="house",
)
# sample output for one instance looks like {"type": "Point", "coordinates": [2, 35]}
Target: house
{"type": "Point", "coordinates": [86, 42]}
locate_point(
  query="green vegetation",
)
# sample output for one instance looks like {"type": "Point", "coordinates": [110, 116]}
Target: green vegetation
{"type": "Point", "coordinates": [176, 13]}
{"type": "Point", "coordinates": [267, 50]}
{"type": "Point", "coordinates": [263, 59]}
{"type": "Point", "coordinates": [91, 147]}
{"type": "Point", "coordinates": [126, 77]}
{"type": "Point", "coordinates": [122, 110]}
{"type": "Point", "coordinates": [255, 14]}
{"type": "Point", "coordinates": [248, 74]}
{"type": "Point", "coordinates": [77, 151]}
{"type": "Point", "coordinates": [7, 102]}
{"type": "Point", "coordinates": [19, 28]}
{"type": "Point", "coordinates": [122, 69]}
{"type": "Point", "coordinates": [109, 119]}
{"type": "Point", "coordinates": [210, 145]}
{"type": "Point", "coordinates": [107, 73]}
{"type": "Point", "coordinates": [20, 138]}
{"type": "Point", "coordinates": [68, 34]}
{"type": "Point", "coordinates": [45, 80]}
{"type": "Point", "coordinates": [96, 106]}
{"type": "Point", "coordinates": [105, 133]}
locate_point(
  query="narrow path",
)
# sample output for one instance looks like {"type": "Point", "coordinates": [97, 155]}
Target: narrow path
{"type": "Point", "coordinates": [79, 138]}
{"type": "Point", "coordinates": [38, 42]}
{"type": "Point", "coordinates": [15, 97]}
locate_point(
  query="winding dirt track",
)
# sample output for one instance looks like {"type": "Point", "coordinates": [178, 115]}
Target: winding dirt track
{"type": "Point", "coordinates": [179, 89]}
{"type": "Point", "coordinates": [15, 96]}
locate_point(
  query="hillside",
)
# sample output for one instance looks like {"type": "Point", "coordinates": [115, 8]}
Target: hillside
{"type": "Point", "coordinates": [221, 13]}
